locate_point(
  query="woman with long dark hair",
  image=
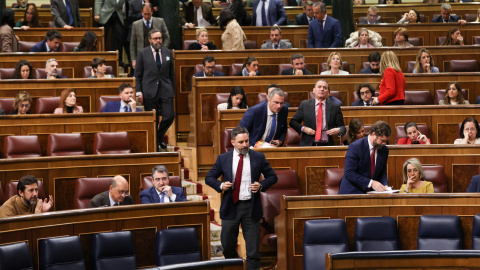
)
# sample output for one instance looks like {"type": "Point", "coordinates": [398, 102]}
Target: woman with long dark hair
{"type": "Point", "coordinates": [23, 70]}
{"type": "Point", "coordinates": [88, 43]}
{"type": "Point", "coordinates": [7, 36]}
{"type": "Point", "coordinates": [243, 18]}
{"type": "Point", "coordinates": [30, 19]}
{"type": "Point", "coordinates": [236, 100]}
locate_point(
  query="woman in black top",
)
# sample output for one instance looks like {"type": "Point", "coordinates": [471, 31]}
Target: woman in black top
{"type": "Point", "coordinates": [202, 41]}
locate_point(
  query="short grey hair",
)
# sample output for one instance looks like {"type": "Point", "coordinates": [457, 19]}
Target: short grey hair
{"type": "Point", "coordinates": [276, 91]}
{"type": "Point", "coordinates": [446, 6]}
{"type": "Point", "coordinates": [50, 60]}
{"type": "Point", "coordinates": [274, 28]}
{"type": "Point", "coordinates": [322, 6]}
{"type": "Point", "coordinates": [160, 169]}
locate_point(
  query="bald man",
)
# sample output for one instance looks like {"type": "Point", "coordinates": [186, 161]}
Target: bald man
{"type": "Point", "coordinates": [116, 195]}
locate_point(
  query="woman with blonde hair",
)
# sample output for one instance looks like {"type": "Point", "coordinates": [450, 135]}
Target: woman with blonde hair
{"type": "Point", "coordinates": [413, 178]}
{"type": "Point", "coordinates": [68, 103]}
{"type": "Point", "coordinates": [22, 103]}
{"type": "Point", "coordinates": [364, 38]}
{"type": "Point", "coordinates": [334, 65]}
{"type": "Point", "coordinates": [424, 62]}
{"type": "Point", "coordinates": [202, 41]}
{"type": "Point", "coordinates": [478, 16]}
{"type": "Point", "coordinates": [392, 86]}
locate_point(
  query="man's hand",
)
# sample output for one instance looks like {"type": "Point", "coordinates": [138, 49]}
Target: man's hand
{"type": "Point", "coordinates": [308, 131]}
{"type": "Point", "coordinates": [133, 104]}
{"type": "Point", "coordinates": [96, 18]}
{"type": "Point", "coordinates": [227, 185]}
{"type": "Point", "coordinates": [48, 204]}
{"type": "Point", "coordinates": [462, 22]}
{"type": "Point", "coordinates": [333, 131]}
{"type": "Point", "coordinates": [275, 143]}
{"type": "Point", "coordinates": [167, 190]}
{"type": "Point", "coordinates": [378, 186]}
{"type": "Point", "coordinates": [68, 27]}
{"type": "Point", "coordinates": [133, 63]}
{"type": "Point", "coordinates": [298, 72]}
{"type": "Point", "coordinates": [190, 25]}
{"type": "Point", "coordinates": [255, 187]}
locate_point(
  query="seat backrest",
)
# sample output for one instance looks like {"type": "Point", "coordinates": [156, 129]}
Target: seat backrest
{"type": "Point", "coordinates": [47, 104]}
{"type": "Point", "coordinates": [199, 67]}
{"type": "Point", "coordinates": [293, 138]}
{"type": "Point", "coordinates": [68, 46]}
{"type": "Point", "coordinates": [173, 181]}
{"type": "Point", "coordinates": [400, 131]}
{"type": "Point", "coordinates": [102, 101]}
{"type": "Point", "coordinates": [87, 71]}
{"type": "Point", "coordinates": [376, 234]}
{"type": "Point", "coordinates": [106, 254]}
{"type": "Point", "coordinates": [476, 40]}
{"type": "Point", "coordinates": [439, 232]}
{"type": "Point", "coordinates": [323, 236]}
{"type": "Point", "coordinates": [422, 97]}
{"type": "Point", "coordinates": [178, 245]}
{"type": "Point", "coordinates": [470, 17]}
{"type": "Point", "coordinates": [7, 104]}
{"type": "Point", "coordinates": [40, 73]}
{"type": "Point", "coordinates": [111, 143]}
{"type": "Point", "coordinates": [333, 176]}
{"type": "Point", "coordinates": [87, 188]}
{"type": "Point", "coordinates": [362, 19]}
{"type": "Point", "coordinates": [476, 232]}
{"type": "Point", "coordinates": [436, 175]}
{"type": "Point", "coordinates": [11, 189]}
{"type": "Point", "coordinates": [410, 66]}
{"type": "Point", "coordinates": [22, 147]}
{"type": "Point", "coordinates": [281, 67]}
{"type": "Point", "coordinates": [25, 46]}
{"type": "Point", "coordinates": [440, 95]}
{"type": "Point", "coordinates": [345, 66]}
{"type": "Point", "coordinates": [221, 98]}
{"type": "Point", "coordinates": [15, 257]}
{"type": "Point", "coordinates": [416, 41]}
{"type": "Point", "coordinates": [6, 73]}
{"type": "Point", "coordinates": [235, 69]}
{"type": "Point", "coordinates": [463, 66]}
{"type": "Point", "coordinates": [65, 144]}
{"type": "Point", "coordinates": [61, 253]}
{"type": "Point", "coordinates": [250, 44]}
{"type": "Point", "coordinates": [440, 40]}
{"type": "Point", "coordinates": [187, 43]}
{"type": "Point", "coordinates": [226, 144]}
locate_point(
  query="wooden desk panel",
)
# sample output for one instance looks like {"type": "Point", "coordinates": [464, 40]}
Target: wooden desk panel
{"type": "Point", "coordinates": [143, 221]}
{"type": "Point", "coordinates": [45, 15]}
{"type": "Point", "coordinates": [75, 34]}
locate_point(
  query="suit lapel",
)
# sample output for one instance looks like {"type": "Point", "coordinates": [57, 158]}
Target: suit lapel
{"type": "Point", "coordinates": [264, 116]}
{"type": "Point", "coordinates": [228, 166]}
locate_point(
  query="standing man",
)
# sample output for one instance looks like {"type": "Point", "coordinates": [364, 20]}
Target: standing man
{"type": "Point", "coordinates": [155, 79]}
{"type": "Point", "coordinates": [374, 65]}
{"type": "Point", "coordinates": [140, 28]}
{"type": "Point", "coordinates": [268, 13]}
{"type": "Point", "coordinates": [322, 118]}
{"type": "Point", "coordinates": [267, 121]}
{"type": "Point", "coordinates": [365, 93]}
{"type": "Point", "coordinates": [197, 13]}
{"type": "Point", "coordinates": [445, 16]}
{"type": "Point", "coordinates": [51, 43]}
{"type": "Point", "coordinates": [241, 202]}
{"type": "Point", "coordinates": [276, 41]}
{"type": "Point", "coordinates": [298, 63]}
{"type": "Point", "coordinates": [66, 13]}
{"type": "Point", "coordinates": [161, 192]}
{"type": "Point", "coordinates": [324, 31]}
{"type": "Point", "coordinates": [372, 16]}
{"type": "Point", "coordinates": [116, 195]}
{"type": "Point", "coordinates": [366, 162]}
{"type": "Point", "coordinates": [127, 101]}
{"type": "Point", "coordinates": [307, 16]}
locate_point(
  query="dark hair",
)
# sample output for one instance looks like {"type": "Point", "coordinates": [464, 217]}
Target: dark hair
{"type": "Point", "coordinates": [418, 14]}
{"type": "Point", "coordinates": [123, 86]}
{"type": "Point", "coordinates": [17, 74]}
{"type": "Point", "coordinates": [296, 56]}
{"type": "Point", "coordinates": [409, 125]}
{"type": "Point", "coordinates": [226, 15]}
{"type": "Point", "coordinates": [8, 17]}
{"type": "Point", "coordinates": [374, 57]}
{"type": "Point", "coordinates": [237, 90]}
{"type": "Point", "coordinates": [460, 97]}
{"type": "Point", "coordinates": [52, 34]}
{"type": "Point", "coordinates": [448, 38]}
{"type": "Point", "coordinates": [97, 61]}
{"type": "Point", "coordinates": [25, 181]}
{"type": "Point", "coordinates": [35, 21]}
{"type": "Point", "coordinates": [208, 59]}
{"type": "Point", "coordinates": [270, 86]}
{"type": "Point", "coordinates": [238, 130]}
{"type": "Point", "coordinates": [249, 61]}
{"type": "Point", "coordinates": [63, 96]}
{"type": "Point", "coordinates": [88, 43]}
{"type": "Point", "coordinates": [463, 126]}
{"type": "Point", "coordinates": [362, 85]}
{"type": "Point", "coordinates": [381, 128]}
{"type": "Point", "coordinates": [160, 169]}
{"type": "Point", "coordinates": [353, 127]}
{"type": "Point", "coordinates": [238, 10]}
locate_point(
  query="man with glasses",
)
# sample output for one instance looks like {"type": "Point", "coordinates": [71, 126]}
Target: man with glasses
{"type": "Point", "coordinates": [365, 93]}
{"type": "Point", "coordinates": [116, 195]}
{"type": "Point", "coordinates": [161, 192]}
{"type": "Point", "coordinates": [208, 69]}
{"type": "Point", "coordinates": [372, 16]}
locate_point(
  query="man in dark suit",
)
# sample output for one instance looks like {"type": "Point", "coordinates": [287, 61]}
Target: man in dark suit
{"type": "Point", "coordinates": [51, 67]}
{"type": "Point", "coordinates": [374, 65]}
{"type": "Point", "coordinates": [276, 41]}
{"type": "Point", "coordinates": [307, 16]}
{"type": "Point", "coordinates": [127, 102]}
{"type": "Point", "coordinates": [51, 43]}
{"type": "Point", "coordinates": [445, 16]}
{"type": "Point", "coordinates": [267, 121]}
{"type": "Point", "coordinates": [209, 68]}
{"type": "Point", "coordinates": [135, 9]}
{"type": "Point", "coordinates": [366, 162]}
{"type": "Point", "coordinates": [365, 93]}
{"type": "Point", "coordinates": [324, 31]}
{"type": "Point", "coordinates": [116, 195]}
{"type": "Point", "coordinates": [372, 16]}
{"type": "Point", "coordinates": [298, 63]}
{"type": "Point", "coordinates": [319, 123]}
{"type": "Point", "coordinates": [241, 202]}
{"type": "Point", "coordinates": [274, 14]}
{"type": "Point", "coordinates": [155, 79]}
{"type": "Point", "coordinates": [197, 13]}
{"type": "Point", "coordinates": [66, 13]}
{"type": "Point", "coordinates": [161, 192]}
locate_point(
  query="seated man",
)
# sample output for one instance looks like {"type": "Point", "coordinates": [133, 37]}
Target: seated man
{"type": "Point", "coordinates": [127, 102]}
{"type": "Point", "coordinates": [204, 16]}
{"type": "Point", "coordinates": [51, 67]}
{"type": "Point", "coordinates": [209, 63]}
{"type": "Point", "coordinates": [116, 195]}
{"type": "Point", "coordinates": [51, 43]}
{"type": "Point", "coordinates": [365, 93]}
{"type": "Point", "coordinates": [307, 16]}
{"type": "Point", "coordinates": [445, 16]}
{"type": "Point", "coordinates": [374, 68]}
{"type": "Point", "coordinates": [26, 201]}
{"type": "Point", "coordinates": [161, 192]}
{"type": "Point", "coordinates": [372, 16]}
{"type": "Point", "coordinates": [298, 63]}
{"type": "Point", "coordinates": [276, 41]}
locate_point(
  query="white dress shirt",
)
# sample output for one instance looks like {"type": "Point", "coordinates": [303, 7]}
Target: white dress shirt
{"type": "Point", "coordinates": [269, 123]}
{"type": "Point", "coordinates": [166, 199]}
{"type": "Point", "coordinates": [245, 191]}
{"type": "Point", "coordinates": [259, 12]}
{"type": "Point", "coordinates": [201, 21]}
{"type": "Point", "coordinates": [370, 146]}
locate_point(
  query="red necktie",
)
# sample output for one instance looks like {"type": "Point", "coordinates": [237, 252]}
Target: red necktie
{"type": "Point", "coordinates": [238, 180]}
{"type": "Point", "coordinates": [318, 131]}
{"type": "Point", "coordinates": [372, 162]}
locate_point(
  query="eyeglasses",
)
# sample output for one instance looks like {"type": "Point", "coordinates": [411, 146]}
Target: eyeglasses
{"type": "Point", "coordinates": [364, 93]}
{"type": "Point", "coordinates": [24, 105]}
{"type": "Point", "coordinates": [122, 192]}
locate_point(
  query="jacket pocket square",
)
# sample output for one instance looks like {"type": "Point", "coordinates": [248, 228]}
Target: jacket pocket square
{"type": "Point", "coordinates": [167, 58]}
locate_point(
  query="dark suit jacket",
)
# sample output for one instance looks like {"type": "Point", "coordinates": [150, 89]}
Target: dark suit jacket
{"type": "Point", "coordinates": [474, 184]}
{"type": "Point", "coordinates": [301, 19]}
{"type": "Point", "coordinates": [105, 8]}
{"type": "Point", "coordinates": [358, 103]}
{"type": "Point", "coordinates": [290, 72]}
{"type": "Point", "coordinates": [367, 71]}
{"type": "Point", "coordinates": [202, 74]}
{"type": "Point", "coordinates": [114, 106]}
{"type": "Point", "coordinates": [276, 13]}
{"type": "Point", "coordinates": [186, 15]}
{"type": "Point", "coordinates": [137, 41]}
{"type": "Point", "coordinates": [135, 10]}
{"type": "Point", "coordinates": [149, 80]}
{"type": "Point", "coordinates": [330, 37]}
{"type": "Point", "coordinates": [102, 199]}
{"type": "Point", "coordinates": [439, 19]}
{"type": "Point", "coordinates": [41, 47]}
{"type": "Point", "coordinates": [306, 114]}
{"type": "Point", "coordinates": [150, 195]}
{"type": "Point", "coordinates": [223, 167]}
{"type": "Point", "coordinates": [281, 45]}
{"type": "Point", "coordinates": [357, 174]}
{"type": "Point", "coordinates": [60, 13]}
{"type": "Point", "coordinates": [255, 121]}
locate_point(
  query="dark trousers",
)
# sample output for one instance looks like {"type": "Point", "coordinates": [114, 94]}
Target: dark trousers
{"type": "Point", "coordinates": [118, 33]}
{"type": "Point", "coordinates": [251, 234]}
{"type": "Point", "coordinates": [163, 107]}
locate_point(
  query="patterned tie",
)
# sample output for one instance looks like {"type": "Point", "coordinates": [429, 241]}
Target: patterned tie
{"type": "Point", "coordinates": [69, 11]}
{"type": "Point", "coordinates": [125, 108]}
{"type": "Point", "coordinates": [318, 131]}
{"type": "Point", "coordinates": [264, 15]}
{"type": "Point", "coordinates": [372, 162]}
{"type": "Point", "coordinates": [275, 46]}
{"type": "Point", "coordinates": [157, 59]}
{"type": "Point", "coordinates": [148, 25]}
{"type": "Point", "coordinates": [321, 25]}
{"type": "Point", "coordinates": [238, 180]}
{"type": "Point", "coordinates": [272, 129]}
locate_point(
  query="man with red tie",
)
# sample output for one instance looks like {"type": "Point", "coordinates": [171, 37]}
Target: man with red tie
{"type": "Point", "coordinates": [366, 162]}
{"type": "Point", "coordinates": [321, 117]}
{"type": "Point", "coordinates": [241, 202]}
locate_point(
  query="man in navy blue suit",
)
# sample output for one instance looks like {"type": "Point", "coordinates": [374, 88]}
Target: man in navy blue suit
{"type": "Point", "coordinates": [209, 68]}
{"type": "Point", "coordinates": [267, 121]}
{"type": "Point", "coordinates": [445, 16]}
{"type": "Point", "coordinates": [324, 31]}
{"type": "Point", "coordinates": [366, 162]}
{"type": "Point", "coordinates": [51, 43]}
{"type": "Point", "coordinates": [268, 13]}
{"type": "Point", "coordinates": [127, 101]}
{"type": "Point", "coordinates": [241, 202]}
{"type": "Point", "coordinates": [161, 192]}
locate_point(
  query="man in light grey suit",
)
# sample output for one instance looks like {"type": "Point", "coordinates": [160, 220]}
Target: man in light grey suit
{"type": "Point", "coordinates": [109, 13]}
{"type": "Point", "coordinates": [139, 38]}
{"type": "Point", "coordinates": [276, 41]}
{"type": "Point", "coordinates": [66, 13]}
{"type": "Point", "coordinates": [155, 79]}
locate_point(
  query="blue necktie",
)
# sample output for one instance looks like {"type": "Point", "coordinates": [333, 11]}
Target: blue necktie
{"type": "Point", "coordinates": [321, 25]}
{"type": "Point", "coordinates": [157, 59]}
{"type": "Point", "coordinates": [272, 129]}
{"type": "Point", "coordinates": [264, 15]}
{"type": "Point", "coordinates": [69, 10]}
{"type": "Point", "coordinates": [162, 195]}
{"type": "Point", "coordinates": [148, 25]}
{"type": "Point", "coordinates": [126, 108]}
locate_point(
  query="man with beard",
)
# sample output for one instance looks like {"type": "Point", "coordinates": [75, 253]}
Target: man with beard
{"type": "Point", "coordinates": [241, 202]}
{"type": "Point", "coordinates": [155, 80]}
{"type": "Point", "coordinates": [51, 67]}
{"type": "Point", "coordinates": [374, 66]}
{"type": "Point", "coordinates": [127, 101]}
{"type": "Point", "coordinates": [276, 41]}
{"type": "Point", "coordinates": [26, 201]}
{"type": "Point", "coordinates": [366, 162]}
{"type": "Point", "coordinates": [365, 93]}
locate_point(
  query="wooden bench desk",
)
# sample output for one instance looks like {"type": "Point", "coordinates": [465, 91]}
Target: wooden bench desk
{"type": "Point", "coordinates": [72, 35]}
{"type": "Point", "coordinates": [45, 15]}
